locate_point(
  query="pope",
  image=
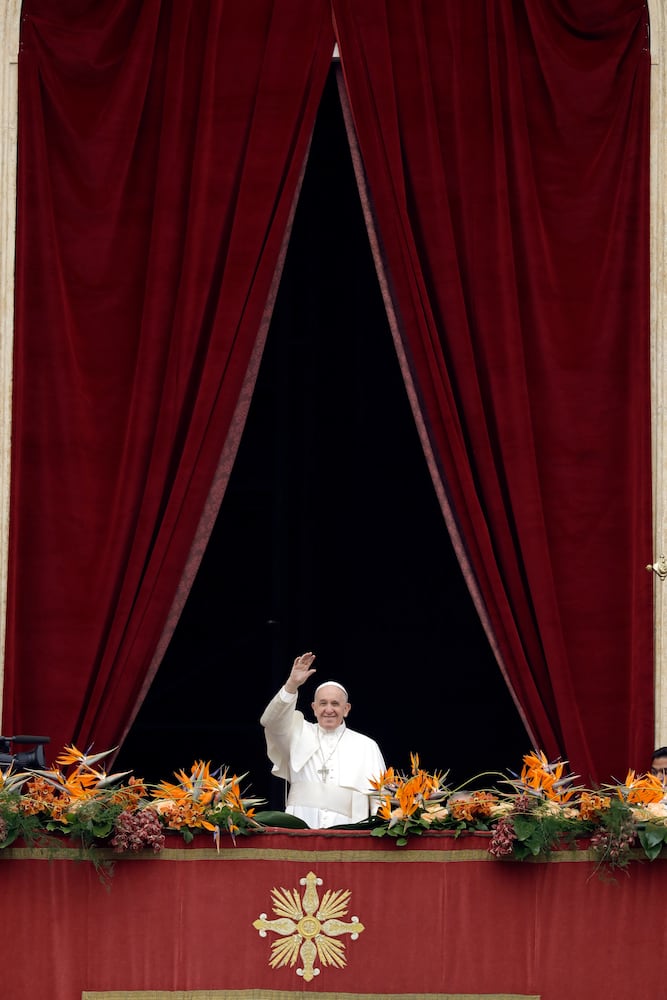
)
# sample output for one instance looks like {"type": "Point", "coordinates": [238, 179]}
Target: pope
{"type": "Point", "coordinates": [327, 765]}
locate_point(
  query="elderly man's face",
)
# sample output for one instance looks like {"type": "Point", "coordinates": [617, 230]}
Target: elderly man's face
{"type": "Point", "coordinates": [659, 768]}
{"type": "Point", "coordinates": [330, 707]}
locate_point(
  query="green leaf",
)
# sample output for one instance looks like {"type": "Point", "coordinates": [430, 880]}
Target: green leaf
{"type": "Point", "coordinates": [521, 851]}
{"type": "Point", "coordinates": [524, 826]}
{"type": "Point", "coordinates": [651, 835]}
{"type": "Point", "coordinates": [101, 829]}
{"type": "Point", "coordinates": [280, 819]}
{"type": "Point", "coordinates": [10, 838]}
{"type": "Point", "coordinates": [652, 838]}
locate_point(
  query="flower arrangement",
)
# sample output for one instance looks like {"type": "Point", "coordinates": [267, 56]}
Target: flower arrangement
{"type": "Point", "coordinates": [410, 804]}
{"type": "Point", "coordinates": [526, 815]}
{"type": "Point", "coordinates": [79, 799]}
{"type": "Point", "coordinates": [542, 810]}
{"type": "Point", "coordinates": [203, 801]}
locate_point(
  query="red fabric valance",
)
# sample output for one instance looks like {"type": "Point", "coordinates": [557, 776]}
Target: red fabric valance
{"type": "Point", "coordinates": [440, 919]}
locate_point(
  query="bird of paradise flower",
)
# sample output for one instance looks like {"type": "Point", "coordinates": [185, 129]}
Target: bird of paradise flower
{"type": "Point", "coordinates": [546, 779]}
{"type": "Point", "coordinates": [78, 796]}
{"type": "Point", "coordinates": [402, 796]}
{"type": "Point", "coordinates": [84, 781]}
{"type": "Point", "coordinates": [309, 928]}
{"type": "Point", "coordinates": [641, 789]}
{"type": "Point", "coordinates": [204, 800]}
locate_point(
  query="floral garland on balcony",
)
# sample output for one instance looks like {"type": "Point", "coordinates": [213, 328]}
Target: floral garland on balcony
{"type": "Point", "coordinates": [541, 811]}
{"type": "Point", "coordinates": [78, 799]}
{"type": "Point", "coordinates": [538, 811]}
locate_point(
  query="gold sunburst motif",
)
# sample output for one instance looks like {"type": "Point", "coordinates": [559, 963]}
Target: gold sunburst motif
{"type": "Point", "coordinates": [309, 928]}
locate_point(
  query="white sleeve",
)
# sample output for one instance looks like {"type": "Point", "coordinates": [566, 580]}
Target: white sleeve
{"type": "Point", "coordinates": [281, 721]}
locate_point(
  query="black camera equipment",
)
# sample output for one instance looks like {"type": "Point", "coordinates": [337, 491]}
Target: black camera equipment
{"type": "Point", "coordinates": [23, 759]}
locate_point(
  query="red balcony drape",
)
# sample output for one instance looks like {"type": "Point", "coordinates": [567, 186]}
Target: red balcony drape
{"type": "Point", "coordinates": [441, 920]}
{"type": "Point", "coordinates": [160, 149]}
{"type": "Point", "coordinates": [505, 148]}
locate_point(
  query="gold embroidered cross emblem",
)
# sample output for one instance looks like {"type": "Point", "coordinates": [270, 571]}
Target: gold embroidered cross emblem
{"type": "Point", "coordinates": [308, 928]}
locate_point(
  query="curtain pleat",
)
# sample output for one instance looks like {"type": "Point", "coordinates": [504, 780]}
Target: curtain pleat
{"type": "Point", "coordinates": [505, 149]}
{"type": "Point", "coordinates": [160, 150]}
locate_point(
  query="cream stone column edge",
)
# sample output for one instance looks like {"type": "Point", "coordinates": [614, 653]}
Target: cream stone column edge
{"type": "Point", "coordinates": [659, 355]}
{"type": "Point", "coordinates": [9, 47]}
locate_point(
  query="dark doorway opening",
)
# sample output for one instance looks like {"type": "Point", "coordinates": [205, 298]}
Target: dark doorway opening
{"type": "Point", "coordinates": [329, 538]}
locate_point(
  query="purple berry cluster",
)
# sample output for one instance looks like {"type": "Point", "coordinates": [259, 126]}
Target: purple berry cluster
{"type": "Point", "coordinates": [136, 831]}
{"type": "Point", "coordinates": [502, 839]}
{"type": "Point", "coordinates": [613, 846]}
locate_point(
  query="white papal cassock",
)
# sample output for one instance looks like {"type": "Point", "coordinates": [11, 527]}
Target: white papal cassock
{"type": "Point", "coordinates": [328, 772]}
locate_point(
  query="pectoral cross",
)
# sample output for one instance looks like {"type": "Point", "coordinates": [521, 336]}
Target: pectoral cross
{"type": "Point", "coordinates": [325, 770]}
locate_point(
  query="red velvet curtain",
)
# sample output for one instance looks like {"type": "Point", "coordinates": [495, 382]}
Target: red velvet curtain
{"type": "Point", "coordinates": [506, 152]}
{"type": "Point", "coordinates": [160, 149]}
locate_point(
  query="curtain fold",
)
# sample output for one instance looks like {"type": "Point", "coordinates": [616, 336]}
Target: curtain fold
{"type": "Point", "coordinates": [505, 148]}
{"type": "Point", "coordinates": [160, 150]}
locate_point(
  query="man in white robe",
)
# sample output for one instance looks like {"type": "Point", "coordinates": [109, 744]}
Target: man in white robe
{"type": "Point", "coordinates": [328, 766]}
